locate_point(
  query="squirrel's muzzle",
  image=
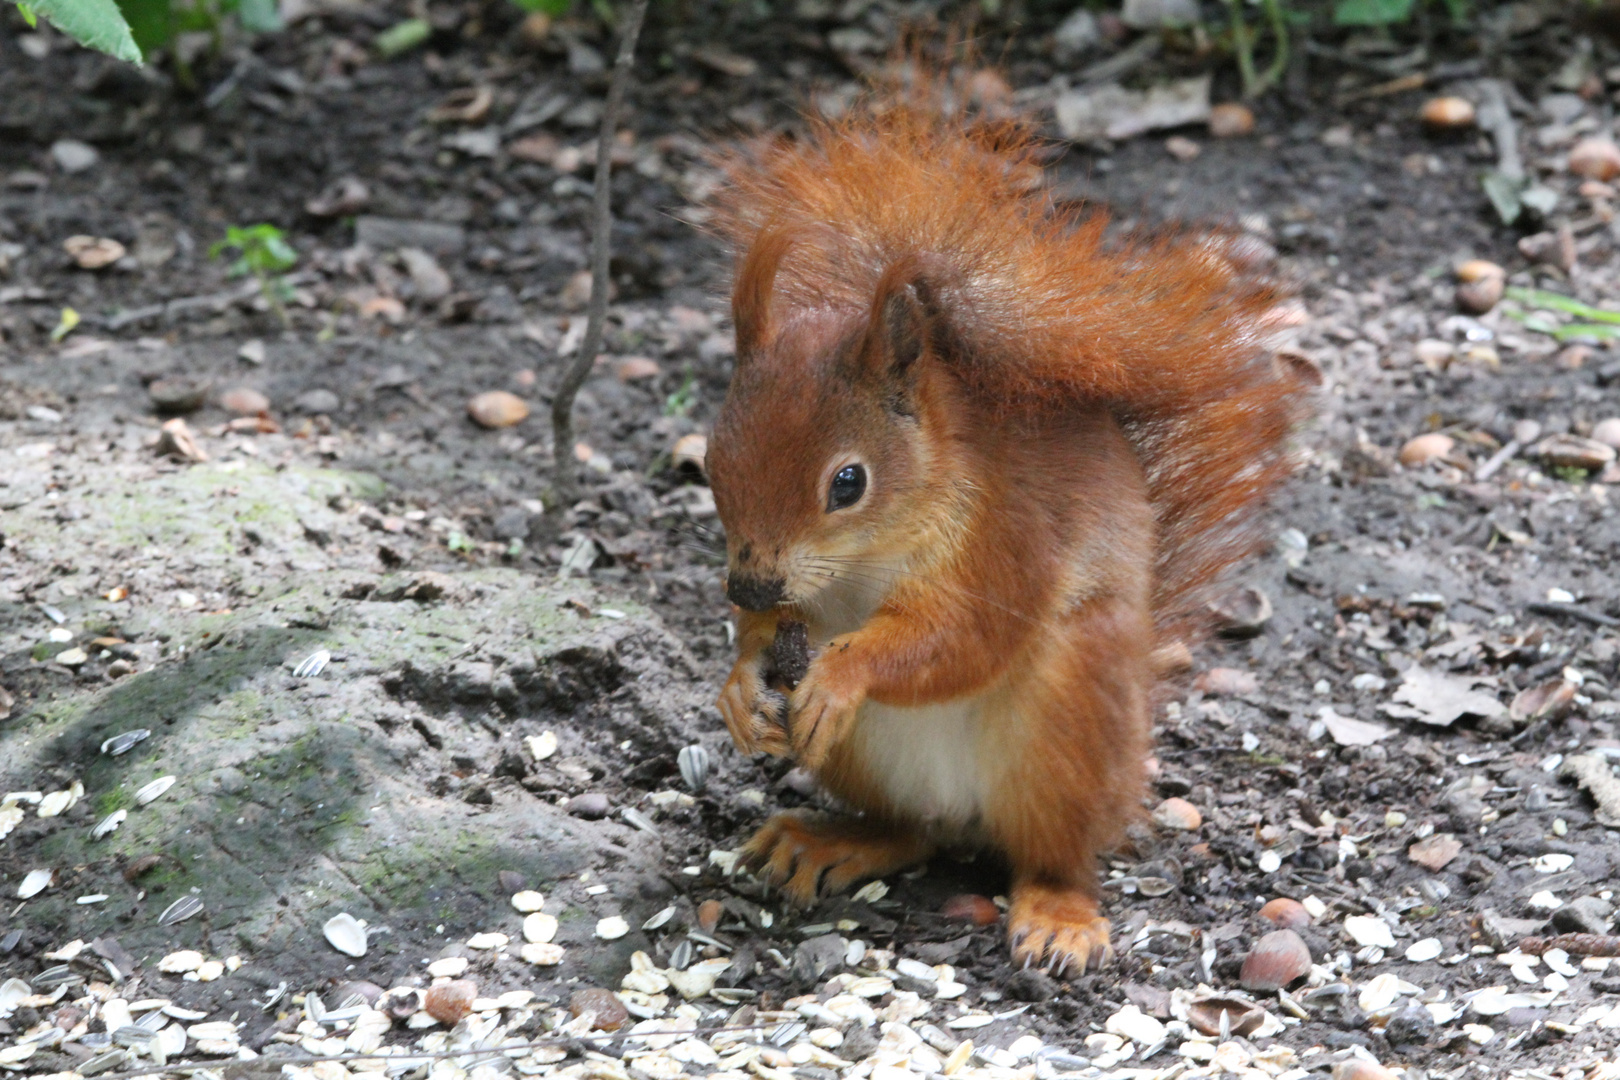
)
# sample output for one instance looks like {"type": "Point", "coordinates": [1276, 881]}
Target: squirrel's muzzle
{"type": "Point", "coordinates": [755, 594]}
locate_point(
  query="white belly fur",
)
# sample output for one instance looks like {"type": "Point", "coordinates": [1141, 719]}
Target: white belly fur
{"type": "Point", "coordinates": [928, 760]}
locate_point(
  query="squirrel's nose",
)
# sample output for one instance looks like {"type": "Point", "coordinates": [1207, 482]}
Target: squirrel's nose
{"type": "Point", "coordinates": [755, 594]}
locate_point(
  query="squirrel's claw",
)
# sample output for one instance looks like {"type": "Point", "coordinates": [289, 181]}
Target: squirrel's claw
{"type": "Point", "coordinates": [1058, 928]}
{"type": "Point", "coordinates": [820, 718]}
{"type": "Point", "coordinates": [753, 714]}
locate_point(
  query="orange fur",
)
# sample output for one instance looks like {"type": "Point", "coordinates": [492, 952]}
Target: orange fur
{"type": "Point", "coordinates": [1065, 440]}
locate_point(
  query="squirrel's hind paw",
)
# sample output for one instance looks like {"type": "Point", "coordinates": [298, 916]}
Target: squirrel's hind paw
{"type": "Point", "coordinates": [1057, 927]}
{"type": "Point", "coordinates": [808, 856]}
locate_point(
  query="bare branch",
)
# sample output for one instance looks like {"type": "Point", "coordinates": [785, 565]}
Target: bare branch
{"type": "Point", "coordinates": [562, 404]}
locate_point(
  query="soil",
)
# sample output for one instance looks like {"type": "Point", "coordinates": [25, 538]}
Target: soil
{"type": "Point", "coordinates": [368, 519]}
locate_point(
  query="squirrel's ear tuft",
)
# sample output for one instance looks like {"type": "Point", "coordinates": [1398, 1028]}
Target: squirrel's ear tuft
{"type": "Point", "coordinates": [903, 319]}
{"type": "Point", "coordinates": [752, 294]}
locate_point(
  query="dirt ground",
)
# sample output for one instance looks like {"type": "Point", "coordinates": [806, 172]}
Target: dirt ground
{"type": "Point", "coordinates": [505, 695]}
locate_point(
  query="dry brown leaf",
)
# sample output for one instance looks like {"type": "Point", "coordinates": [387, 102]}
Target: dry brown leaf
{"type": "Point", "coordinates": [1437, 698]}
{"type": "Point", "coordinates": [1435, 852]}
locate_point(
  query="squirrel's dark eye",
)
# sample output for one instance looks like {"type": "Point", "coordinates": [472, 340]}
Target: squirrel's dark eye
{"type": "Point", "coordinates": [848, 485]}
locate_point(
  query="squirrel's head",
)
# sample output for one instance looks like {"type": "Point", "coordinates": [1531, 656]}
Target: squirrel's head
{"type": "Point", "coordinates": [820, 458]}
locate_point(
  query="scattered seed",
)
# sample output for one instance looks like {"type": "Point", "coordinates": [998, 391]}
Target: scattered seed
{"type": "Point", "coordinates": [528, 901]}
{"type": "Point", "coordinates": [34, 883]}
{"type": "Point", "coordinates": [612, 928]}
{"type": "Point", "coordinates": [179, 911]}
{"type": "Point", "coordinates": [542, 954]}
{"type": "Point", "coordinates": [542, 746]}
{"type": "Point", "coordinates": [1369, 930]}
{"type": "Point", "coordinates": [178, 963]}
{"type": "Point", "coordinates": [109, 824]}
{"type": "Point", "coordinates": [653, 923]}
{"type": "Point", "coordinates": [154, 790]}
{"type": "Point", "coordinates": [448, 967]}
{"type": "Point", "coordinates": [1424, 950]}
{"type": "Point", "coordinates": [694, 764]}
{"type": "Point", "coordinates": [313, 664]}
{"type": "Point", "coordinates": [346, 934]}
{"type": "Point", "coordinates": [123, 743]}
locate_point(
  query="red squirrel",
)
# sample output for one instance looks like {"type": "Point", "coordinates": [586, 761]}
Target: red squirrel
{"type": "Point", "coordinates": [992, 459]}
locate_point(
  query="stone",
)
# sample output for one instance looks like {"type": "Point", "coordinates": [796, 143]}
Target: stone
{"type": "Point", "coordinates": [1584, 915]}
{"type": "Point", "coordinates": [387, 234]}
{"type": "Point", "coordinates": [592, 806]}
{"type": "Point", "coordinates": [73, 156]}
{"type": "Point", "coordinates": [315, 402]}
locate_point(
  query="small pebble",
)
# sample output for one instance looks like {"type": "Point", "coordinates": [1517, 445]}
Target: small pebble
{"type": "Point", "coordinates": [1595, 159]}
{"type": "Point", "coordinates": [971, 908]}
{"type": "Point", "coordinates": [1448, 113]}
{"type": "Point", "coordinates": [244, 401]}
{"type": "Point", "coordinates": [1230, 119]}
{"type": "Point", "coordinates": [1422, 449]}
{"type": "Point", "coordinates": [1182, 148]}
{"type": "Point", "coordinates": [1178, 814]}
{"type": "Point", "coordinates": [592, 806]}
{"type": "Point", "coordinates": [497, 409]}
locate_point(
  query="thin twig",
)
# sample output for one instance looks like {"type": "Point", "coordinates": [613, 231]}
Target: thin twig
{"type": "Point", "coordinates": [1497, 460]}
{"type": "Point", "coordinates": [1579, 614]}
{"type": "Point", "coordinates": [562, 405]}
{"type": "Point", "coordinates": [1495, 118]}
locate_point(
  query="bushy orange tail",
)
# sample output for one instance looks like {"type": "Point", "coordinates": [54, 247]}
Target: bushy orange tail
{"type": "Point", "coordinates": [1043, 307]}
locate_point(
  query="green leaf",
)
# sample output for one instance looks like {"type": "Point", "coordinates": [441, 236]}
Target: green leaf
{"type": "Point", "coordinates": [259, 16]}
{"type": "Point", "coordinates": [151, 21]}
{"type": "Point", "coordinates": [28, 14]}
{"type": "Point", "coordinates": [1371, 12]}
{"type": "Point", "coordinates": [555, 8]}
{"type": "Point", "coordinates": [1589, 331]}
{"type": "Point", "coordinates": [64, 325]}
{"type": "Point", "coordinates": [403, 36]}
{"type": "Point", "coordinates": [1503, 192]}
{"type": "Point", "coordinates": [1541, 298]}
{"type": "Point", "coordinates": [96, 24]}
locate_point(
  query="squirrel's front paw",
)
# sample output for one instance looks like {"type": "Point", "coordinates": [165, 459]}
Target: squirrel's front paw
{"type": "Point", "coordinates": [753, 713]}
{"type": "Point", "coordinates": [823, 710]}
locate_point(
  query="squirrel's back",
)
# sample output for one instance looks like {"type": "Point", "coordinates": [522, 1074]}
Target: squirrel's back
{"type": "Point", "coordinates": [1042, 308]}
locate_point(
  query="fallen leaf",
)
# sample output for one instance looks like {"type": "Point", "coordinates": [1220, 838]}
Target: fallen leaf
{"type": "Point", "coordinates": [1348, 731]}
{"type": "Point", "coordinates": [1440, 699]}
{"type": "Point", "coordinates": [1113, 112]}
{"type": "Point", "coordinates": [1435, 852]}
{"type": "Point", "coordinates": [93, 252]}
